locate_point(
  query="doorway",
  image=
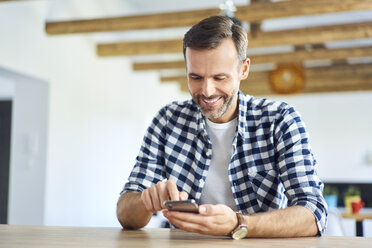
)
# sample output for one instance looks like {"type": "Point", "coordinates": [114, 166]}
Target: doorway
{"type": "Point", "coordinates": [5, 130]}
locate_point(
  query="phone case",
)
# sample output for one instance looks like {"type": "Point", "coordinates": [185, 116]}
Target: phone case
{"type": "Point", "coordinates": [182, 206]}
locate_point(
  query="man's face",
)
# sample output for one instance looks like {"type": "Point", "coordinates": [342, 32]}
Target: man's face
{"type": "Point", "coordinates": [214, 77]}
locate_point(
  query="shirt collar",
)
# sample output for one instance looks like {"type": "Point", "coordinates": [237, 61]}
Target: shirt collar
{"type": "Point", "coordinates": [244, 101]}
{"type": "Point", "coordinates": [199, 118]}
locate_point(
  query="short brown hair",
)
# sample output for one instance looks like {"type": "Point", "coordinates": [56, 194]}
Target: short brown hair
{"type": "Point", "coordinates": [210, 32]}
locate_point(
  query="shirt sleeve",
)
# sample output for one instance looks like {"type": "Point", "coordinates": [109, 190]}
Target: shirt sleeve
{"type": "Point", "coordinates": [297, 166]}
{"type": "Point", "coordinates": [149, 166]}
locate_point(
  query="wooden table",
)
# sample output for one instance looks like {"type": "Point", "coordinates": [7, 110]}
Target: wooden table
{"type": "Point", "coordinates": [53, 237]}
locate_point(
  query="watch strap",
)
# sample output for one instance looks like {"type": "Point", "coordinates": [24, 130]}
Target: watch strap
{"type": "Point", "coordinates": [241, 220]}
{"type": "Point", "coordinates": [242, 224]}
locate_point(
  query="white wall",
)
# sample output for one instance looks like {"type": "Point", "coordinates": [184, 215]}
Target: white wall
{"type": "Point", "coordinates": [340, 128]}
{"type": "Point", "coordinates": [6, 89]}
{"type": "Point", "coordinates": [99, 108]}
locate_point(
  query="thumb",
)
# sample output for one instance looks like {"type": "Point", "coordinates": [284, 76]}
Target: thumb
{"type": "Point", "coordinates": [205, 209]}
{"type": "Point", "coordinates": [183, 196]}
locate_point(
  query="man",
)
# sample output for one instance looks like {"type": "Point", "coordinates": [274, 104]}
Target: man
{"type": "Point", "coordinates": [229, 152]}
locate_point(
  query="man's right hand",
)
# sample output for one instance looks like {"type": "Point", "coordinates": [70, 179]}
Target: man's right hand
{"type": "Point", "coordinates": [154, 197]}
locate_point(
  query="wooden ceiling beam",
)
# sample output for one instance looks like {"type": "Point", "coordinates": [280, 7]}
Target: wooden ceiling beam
{"type": "Point", "coordinates": [339, 71]}
{"type": "Point", "coordinates": [335, 71]}
{"type": "Point", "coordinates": [312, 35]}
{"type": "Point", "coordinates": [136, 22]}
{"type": "Point", "coordinates": [268, 10]}
{"type": "Point", "coordinates": [320, 79]}
{"type": "Point", "coordinates": [146, 66]}
{"type": "Point", "coordinates": [292, 57]}
{"type": "Point", "coordinates": [302, 36]}
{"type": "Point", "coordinates": [255, 12]}
{"type": "Point", "coordinates": [325, 85]}
{"type": "Point", "coordinates": [139, 48]}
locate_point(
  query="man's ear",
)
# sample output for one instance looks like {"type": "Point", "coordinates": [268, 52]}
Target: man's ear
{"type": "Point", "coordinates": [245, 68]}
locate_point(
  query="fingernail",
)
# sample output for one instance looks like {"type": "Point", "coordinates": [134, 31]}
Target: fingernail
{"type": "Point", "coordinates": [202, 210]}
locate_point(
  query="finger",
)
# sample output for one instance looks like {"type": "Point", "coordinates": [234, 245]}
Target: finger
{"type": "Point", "coordinates": [208, 209]}
{"type": "Point", "coordinates": [183, 196]}
{"type": "Point", "coordinates": [155, 198]}
{"type": "Point", "coordinates": [162, 193]}
{"type": "Point", "coordinates": [193, 222]}
{"type": "Point", "coordinates": [186, 217]}
{"type": "Point", "coordinates": [188, 226]}
{"type": "Point", "coordinates": [146, 200]}
{"type": "Point", "coordinates": [172, 190]}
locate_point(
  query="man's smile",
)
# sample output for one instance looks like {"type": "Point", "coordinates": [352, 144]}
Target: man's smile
{"type": "Point", "coordinates": [211, 102]}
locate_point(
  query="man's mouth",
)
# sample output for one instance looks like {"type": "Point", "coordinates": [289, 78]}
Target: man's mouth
{"type": "Point", "coordinates": [211, 102]}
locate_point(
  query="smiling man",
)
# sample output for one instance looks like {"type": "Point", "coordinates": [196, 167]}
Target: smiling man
{"type": "Point", "coordinates": [246, 161]}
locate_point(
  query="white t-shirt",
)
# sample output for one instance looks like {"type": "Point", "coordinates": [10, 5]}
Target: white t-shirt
{"type": "Point", "coordinates": [217, 188]}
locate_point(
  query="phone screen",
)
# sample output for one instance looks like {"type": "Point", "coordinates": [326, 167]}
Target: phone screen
{"type": "Point", "coordinates": [182, 206]}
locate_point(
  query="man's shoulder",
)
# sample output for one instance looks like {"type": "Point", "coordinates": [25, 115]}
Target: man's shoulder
{"type": "Point", "coordinates": [265, 106]}
{"type": "Point", "coordinates": [183, 109]}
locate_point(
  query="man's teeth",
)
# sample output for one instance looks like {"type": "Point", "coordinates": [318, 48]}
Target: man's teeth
{"type": "Point", "coordinates": [211, 101]}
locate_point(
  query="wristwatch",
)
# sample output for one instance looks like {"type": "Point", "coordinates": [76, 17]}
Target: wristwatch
{"type": "Point", "coordinates": [241, 230]}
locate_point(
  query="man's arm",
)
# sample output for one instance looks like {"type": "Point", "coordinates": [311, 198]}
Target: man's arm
{"type": "Point", "coordinates": [296, 221]}
{"type": "Point", "coordinates": [297, 167]}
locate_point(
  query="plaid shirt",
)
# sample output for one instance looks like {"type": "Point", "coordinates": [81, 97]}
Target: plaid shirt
{"type": "Point", "coordinates": [272, 165]}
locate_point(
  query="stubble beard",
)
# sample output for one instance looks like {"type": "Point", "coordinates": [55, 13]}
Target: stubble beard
{"type": "Point", "coordinates": [210, 112]}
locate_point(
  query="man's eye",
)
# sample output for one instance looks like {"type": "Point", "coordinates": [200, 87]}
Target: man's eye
{"type": "Point", "coordinates": [220, 78]}
{"type": "Point", "coordinates": [195, 78]}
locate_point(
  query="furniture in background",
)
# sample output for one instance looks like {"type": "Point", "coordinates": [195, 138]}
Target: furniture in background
{"type": "Point", "coordinates": [359, 218]}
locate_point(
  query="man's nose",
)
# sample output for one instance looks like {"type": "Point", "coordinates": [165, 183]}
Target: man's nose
{"type": "Point", "coordinates": [208, 88]}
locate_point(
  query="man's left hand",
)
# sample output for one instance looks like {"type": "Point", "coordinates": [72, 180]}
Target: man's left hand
{"type": "Point", "coordinates": [212, 220]}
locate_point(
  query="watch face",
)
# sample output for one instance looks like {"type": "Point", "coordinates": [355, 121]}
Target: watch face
{"type": "Point", "coordinates": [240, 234]}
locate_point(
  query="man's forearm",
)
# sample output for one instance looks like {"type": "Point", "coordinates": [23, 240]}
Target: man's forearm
{"type": "Point", "coordinates": [131, 212]}
{"type": "Point", "coordinates": [296, 221]}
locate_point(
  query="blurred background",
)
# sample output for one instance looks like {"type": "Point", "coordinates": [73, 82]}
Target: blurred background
{"type": "Point", "coordinates": [81, 80]}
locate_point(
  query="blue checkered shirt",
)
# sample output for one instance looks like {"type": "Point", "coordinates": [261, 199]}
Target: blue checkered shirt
{"type": "Point", "coordinates": [272, 165]}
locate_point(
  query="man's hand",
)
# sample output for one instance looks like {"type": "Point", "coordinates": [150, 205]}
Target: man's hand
{"type": "Point", "coordinates": [154, 197]}
{"type": "Point", "coordinates": [212, 220]}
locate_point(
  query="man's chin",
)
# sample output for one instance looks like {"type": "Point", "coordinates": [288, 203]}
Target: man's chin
{"type": "Point", "coordinates": [211, 115]}
{"type": "Point", "coordinates": [212, 112]}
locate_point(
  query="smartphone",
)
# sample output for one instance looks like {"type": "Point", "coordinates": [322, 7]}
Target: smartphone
{"type": "Point", "coordinates": [182, 206]}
